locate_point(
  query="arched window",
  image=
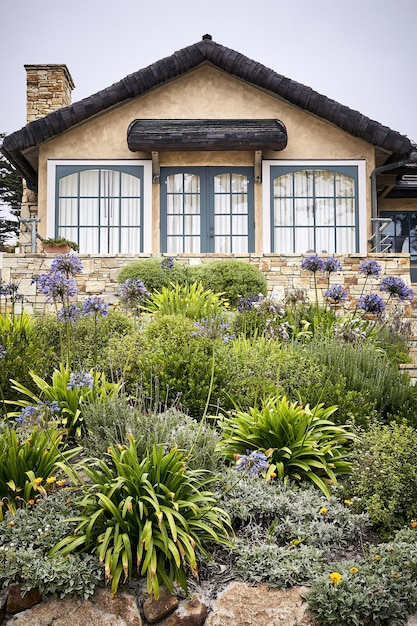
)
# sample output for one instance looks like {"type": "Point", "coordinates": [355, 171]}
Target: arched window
{"type": "Point", "coordinates": [314, 209]}
{"type": "Point", "coordinates": [100, 207]}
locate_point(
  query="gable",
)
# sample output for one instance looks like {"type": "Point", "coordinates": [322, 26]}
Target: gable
{"type": "Point", "coordinates": [180, 64]}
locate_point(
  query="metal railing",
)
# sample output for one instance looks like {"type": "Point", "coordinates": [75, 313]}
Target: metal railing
{"type": "Point", "coordinates": [380, 242]}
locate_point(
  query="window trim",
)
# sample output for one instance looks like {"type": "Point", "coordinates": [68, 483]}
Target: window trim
{"type": "Point", "coordinates": [360, 164]}
{"type": "Point", "coordinates": [146, 201]}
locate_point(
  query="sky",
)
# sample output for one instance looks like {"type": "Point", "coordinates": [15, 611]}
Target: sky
{"type": "Point", "coordinates": [361, 53]}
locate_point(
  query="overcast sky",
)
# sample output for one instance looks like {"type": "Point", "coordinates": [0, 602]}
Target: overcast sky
{"type": "Point", "coordinates": [361, 53]}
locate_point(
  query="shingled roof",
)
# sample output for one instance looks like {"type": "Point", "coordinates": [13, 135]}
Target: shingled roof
{"type": "Point", "coordinates": [178, 64]}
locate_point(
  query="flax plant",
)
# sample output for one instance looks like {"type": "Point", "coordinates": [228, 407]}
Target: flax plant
{"type": "Point", "coordinates": [146, 517]}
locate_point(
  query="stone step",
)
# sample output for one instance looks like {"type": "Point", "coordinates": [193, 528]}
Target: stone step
{"type": "Point", "coordinates": [411, 368]}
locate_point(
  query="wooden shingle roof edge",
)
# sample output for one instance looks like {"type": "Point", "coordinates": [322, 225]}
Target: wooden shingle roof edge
{"type": "Point", "coordinates": [178, 64]}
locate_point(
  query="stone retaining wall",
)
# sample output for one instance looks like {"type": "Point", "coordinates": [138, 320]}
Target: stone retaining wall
{"type": "Point", "coordinates": [100, 272]}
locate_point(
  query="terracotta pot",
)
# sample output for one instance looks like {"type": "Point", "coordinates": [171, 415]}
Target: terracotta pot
{"type": "Point", "coordinates": [56, 248]}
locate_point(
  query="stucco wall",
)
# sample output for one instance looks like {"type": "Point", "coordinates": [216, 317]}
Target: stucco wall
{"type": "Point", "coordinates": [204, 93]}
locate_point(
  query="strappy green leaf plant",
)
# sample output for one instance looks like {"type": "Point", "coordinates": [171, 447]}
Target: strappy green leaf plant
{"type": "Point", "coordinates": [193, 301]}
{"type": "Point", "coordinates": [300, 443]}
{"type": "Point", "coordinates": [71, 394]}
{"type": "Point", "coordinates": [26, 464]}
{"type": "Point", "coordinates": [148, 518]}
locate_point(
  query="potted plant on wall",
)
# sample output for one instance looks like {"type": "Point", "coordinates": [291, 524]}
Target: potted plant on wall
{"type": "Point", "coordinates": [59, 245]}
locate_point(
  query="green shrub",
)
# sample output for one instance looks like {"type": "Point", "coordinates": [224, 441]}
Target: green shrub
{"type": "Point", "coordinates": [366, 369]}
{"type": "Point", "coordinates": [110, 423]}
{"type": "Point", "coordinates": [232, 278]}
{"type": "Point", "coordinates": [380, 591]}
{"type": "Point", "coordinates": [301, 444]}
{"type": "Point", "coordinates": [172, 354]}
{"type": "Point", "coordinates": [25, 540]}
{"type": "Point", "coordinates": [23, 350]}
{"type": "Point", "coordinates": [155, 273]}
{"type": "Point", "coordinates": [48, 330]}
{"type": "Point", "coordinates": [285, 533]}
{"type": "Point", "coordinates": [384, 478]}
{"type": "Point", "coordinates": [147, 517]}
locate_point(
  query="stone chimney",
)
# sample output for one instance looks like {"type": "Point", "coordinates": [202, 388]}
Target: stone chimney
{"type": "Point", "coordinates": [48, 88]}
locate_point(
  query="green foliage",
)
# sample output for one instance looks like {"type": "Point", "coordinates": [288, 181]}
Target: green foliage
{"type": "Point", "coordinates": [278, 566]}
{"type": "Point", "coordinates": [23, 350]}
{"type": "Point", "coordinates": [380, 591]}
{"type": "Point", "coordinates": [192, 301]}
{"type": "Point", "coordinates": [148, 517]}
{"type": "Point", "coordinates": [286, 533]}
{"type": "Point", "coordinates": [110, 422]}
{"type": "Point", "coordinates": [27, 537]}
{"type": "Point", "coordinates": [154, 274]}
{"type": "Point", "coordinates": [384, 478]}
{"type": "Point", "coordinates": [71, 400]}
{"type": "Point", "coordinates": [48, 331]}
{"type": "Point", "coordinates": [11, 189]}
{"type": "Point", "coordinates": [367, 370]}
{"type": "Point", "coordinates": [286, 514]}
{"type": "Point", "coordinates": [26, 464]}
{"type": "Point", "coordinates": [170, 354]}
{"type": "Point", "coordinates": [232, 278]}
{"type": "Point", "coordinates": [300, 443]}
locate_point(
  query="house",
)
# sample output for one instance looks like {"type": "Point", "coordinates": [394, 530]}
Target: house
{"type": "Point", "coordinates": [209, 152]}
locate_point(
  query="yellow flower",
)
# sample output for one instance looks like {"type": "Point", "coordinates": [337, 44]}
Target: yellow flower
{"type": "Point", "coordinates": [323, 510]}
{"type": "Point", "coordinates": [377, 557]}
{"type": "Point", "coordinates": [38, 481]}
{"type": "Point", "coordinates": [353, 570]}
{"type": "Point", "coordinates": [51, 480]}
{"type": "Point", "coordinates": [413, 523]}
{"type": "Point", "coordinates": [347, 502]}
{"type": "Point", "coordinates": [61, 482]}
{"type": "Point", "coordinates": [31, 502]}
{"type": "Point", "coordinates": [335, 578]}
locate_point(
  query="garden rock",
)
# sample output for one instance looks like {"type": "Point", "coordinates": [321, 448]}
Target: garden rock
{"type": "Point", "coordinates": [192, 613]}
{"type": "Point", "coordinates": [156, 610]}
{"type": "Point", "coordinates": [18, 600]}
{"type": "Point", "coordinates": [241, 605]}
{"type": "Point", "coordinates": [102, 609]}
{"type": "Point", "coordinates": [3, 605]}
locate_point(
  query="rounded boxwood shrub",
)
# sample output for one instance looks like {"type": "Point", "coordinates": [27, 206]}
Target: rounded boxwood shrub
{"type": "Point", "coordinates": [232, 278]}
{"type": "Point", "coordinates": [155, 273]}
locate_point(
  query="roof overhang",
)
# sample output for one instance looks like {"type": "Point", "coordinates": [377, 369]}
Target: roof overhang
{"type": "Point", "coordinates": [206, 134]}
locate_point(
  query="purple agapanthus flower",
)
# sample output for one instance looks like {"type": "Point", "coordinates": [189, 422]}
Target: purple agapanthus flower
{"type": "Point", "coordinates": [215, 327]}
{"type": "Point", "coordinates": [254, 462]}
{"type": "Point", "coordinates": [80, 379]}
{"type": "Point", "coordinates": [3, 352]}
{"type": "Point", "coordinates": [69, 314]}
{"type": "Point", "coordinates": [332, 265]}
{"type": "Point", "coordinates": [313, 264]}
{"type": "Point", "coordinates": [56, 286]}
{"type": "Point", "coordinates": [132, 292]}
{"type": "Point", "coordinates": [370, 268]}
{"type": "Point", "coordinates": [372, 303]}
{"type": "Point", "coordinates": [396, 287]}
{"type": "Point", "coordinates": [94, 305]}
{"type": "Point", "coordinates": [336, 293]}
{"type": "Point", "coordinates": [167, 264]}
{"type": "Point", "coordinates": [246, 302]}
{"type": "Point", "coordinates": [69, 264]}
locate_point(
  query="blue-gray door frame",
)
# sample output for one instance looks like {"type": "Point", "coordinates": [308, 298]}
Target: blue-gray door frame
{"type": "Point", "coordinates": [207, 175]}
